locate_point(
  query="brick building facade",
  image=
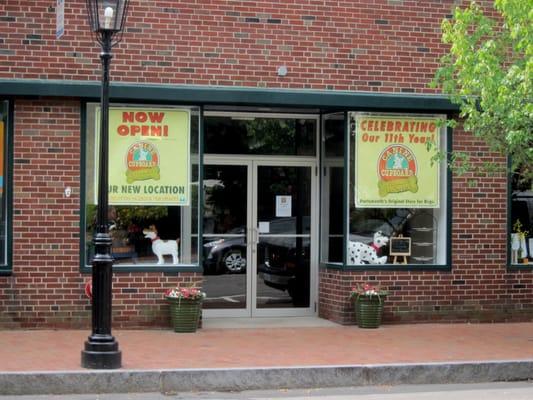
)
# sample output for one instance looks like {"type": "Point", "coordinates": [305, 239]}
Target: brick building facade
{"type": "Point", "coordinates": [226, 59]}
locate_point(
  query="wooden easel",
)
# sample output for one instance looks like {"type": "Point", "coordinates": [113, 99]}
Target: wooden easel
{"type": "Point", "coordinates": [400, 254]}
{"type": "Point", "coordinates": [395, 260]}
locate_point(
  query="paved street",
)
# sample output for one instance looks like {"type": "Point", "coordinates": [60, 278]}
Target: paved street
{"type": "Point", "coordinates": [491, 391]}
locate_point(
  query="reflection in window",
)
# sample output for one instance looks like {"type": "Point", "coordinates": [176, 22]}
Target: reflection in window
{"type": "Point", "coordinates": [332, 188]}
{"type": "Point", "coordinates": [256, 135]}
{"type": "Point", "coordinates": [225, 191]}
{"type": "Point", "coordinates": [224, 241]}
{"type": "Point", "coordinates": [521, 220]}
{"type": "Point", "coordinates": [133, 230]}
{"type": "Point", "coordinates": [283, 264]}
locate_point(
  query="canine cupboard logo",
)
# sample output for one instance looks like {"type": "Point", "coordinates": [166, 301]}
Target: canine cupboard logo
{"type": "Point", "coordinates": [142, 162]}
{"type": "Point", "coordinates": [397, 170]}
{"type": "Point", "coordinates": [393, 166]}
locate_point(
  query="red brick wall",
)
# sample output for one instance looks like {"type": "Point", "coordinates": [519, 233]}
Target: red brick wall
{"type": "Point", "coordinates": [376, 45]}
{"type": "Point", "coordinates": [479, 288]}
{"type": "Point", "coordinates": [47, 288]}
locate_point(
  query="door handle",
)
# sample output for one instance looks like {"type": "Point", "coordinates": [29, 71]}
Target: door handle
{"type": "Point", "coordinates": [250, 236]}
{"type": "Point", "coordinates": [254, 239]}
{"type": "Point", "coordinates": [251, 239]}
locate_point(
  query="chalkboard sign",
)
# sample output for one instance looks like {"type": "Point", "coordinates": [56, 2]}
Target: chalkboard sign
{"type": "Point", "coordinates": [400, 246]}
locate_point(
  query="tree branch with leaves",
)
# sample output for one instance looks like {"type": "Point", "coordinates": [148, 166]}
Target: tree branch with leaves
{"type": "Point", "coordinates": [488, 72]}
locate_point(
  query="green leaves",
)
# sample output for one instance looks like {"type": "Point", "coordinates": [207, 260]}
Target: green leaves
{"type": "Point", "coordinates": [488, 72]}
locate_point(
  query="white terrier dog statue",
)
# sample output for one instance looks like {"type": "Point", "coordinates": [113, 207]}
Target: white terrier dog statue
{"type": "Point", "coordinates": [162, 247]}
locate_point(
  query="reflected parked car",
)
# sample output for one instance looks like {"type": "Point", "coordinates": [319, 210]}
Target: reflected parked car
{"type": "Point", "coordinates": [283, 261]}
{"type": "Point", "coordinates": [225, 255]}
{"type": "Point", "coordinates": [284, 264]}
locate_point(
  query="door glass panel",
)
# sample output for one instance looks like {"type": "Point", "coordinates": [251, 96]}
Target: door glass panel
{"type": "Point", "coordinates": [224, 239]}
{"type": "Point", "coordinates": [283, 244]}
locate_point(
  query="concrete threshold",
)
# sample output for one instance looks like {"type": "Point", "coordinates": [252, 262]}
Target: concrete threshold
{"type": "Point", "coordinates": [240, 379]}
{"type": "Point", "coordinates": [266, 322]}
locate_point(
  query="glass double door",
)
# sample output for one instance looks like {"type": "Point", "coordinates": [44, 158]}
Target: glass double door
{"type": "Point", "coordinates": [259, 252]}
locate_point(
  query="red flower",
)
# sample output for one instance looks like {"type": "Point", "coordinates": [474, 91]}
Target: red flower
{"type": "Point", "coordinates": [185, 293]}
{"type": "Point", "coordinates": [367, 289]}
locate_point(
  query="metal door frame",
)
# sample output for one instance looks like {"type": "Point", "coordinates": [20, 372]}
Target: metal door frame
{"type": "Point", "coordinates": [252, 162]}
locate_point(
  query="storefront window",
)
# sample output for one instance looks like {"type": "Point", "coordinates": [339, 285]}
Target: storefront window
{"type": "Point", "coordinates": [521, 220]}
{"type": "Point", "coordinates": [332, 178]}
{"type": "Point", "coordinates": [153, 185]}
{"type": "Point", "coordinates": [397, 196]}
{"type": "Point", "coordinates": [4, 113]}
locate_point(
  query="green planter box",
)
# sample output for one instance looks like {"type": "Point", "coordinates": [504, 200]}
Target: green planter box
{"type": "Point", "coordinates": [368, 311]}
{"type": "Point", "coordinates": [185, 314]}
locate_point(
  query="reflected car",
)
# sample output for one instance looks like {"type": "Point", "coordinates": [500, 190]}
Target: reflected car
{"type": "Point", "coordinates": [283, 262]}
{"type": "Point", "coordinates": [285, 266]}
{"type": "Point", "coordinates": [225, 255]}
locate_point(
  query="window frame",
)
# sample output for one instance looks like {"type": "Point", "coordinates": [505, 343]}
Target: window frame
{"type": "Point", "coordinates": [126, 268]}
{"type": "Point", "coordinates": [446, 203]}
{"type": "Point", "coordinates": [324, 220]}
{"type": "Point", "coordinates": [512, 267]}
{"type": "Point", "coordinates": [6, 268]}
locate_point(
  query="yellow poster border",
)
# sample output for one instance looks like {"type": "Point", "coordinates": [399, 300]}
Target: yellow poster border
{"type": "Point", "coordinates": [187, 203]}
{"type": "Point", "coordinates": [353, 125]}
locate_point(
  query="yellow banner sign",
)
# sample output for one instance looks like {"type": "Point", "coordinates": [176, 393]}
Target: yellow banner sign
{"type": "Point", "coordinates": [393, 165]}
{"type": "Point", "coordinates": [149, 156]}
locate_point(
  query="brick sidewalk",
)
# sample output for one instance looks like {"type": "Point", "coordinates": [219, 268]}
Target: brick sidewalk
{"type": "Point", "coordinates": [59, 350]}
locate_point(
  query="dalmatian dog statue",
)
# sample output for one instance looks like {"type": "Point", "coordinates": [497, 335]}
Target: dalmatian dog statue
{"type": "Point", "coordinates": [360, 253]}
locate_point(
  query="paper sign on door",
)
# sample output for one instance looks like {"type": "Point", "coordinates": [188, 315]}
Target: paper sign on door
{"type": "Point", "coordinates": [283, 206]}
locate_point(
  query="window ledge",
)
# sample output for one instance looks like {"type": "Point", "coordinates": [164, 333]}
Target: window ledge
{"type": "Point", "coordinates": [150, 268]}
{"type": "Point", "coordinates": [520, 267]}
{"type": "Point", "coordinates": [398, 267]}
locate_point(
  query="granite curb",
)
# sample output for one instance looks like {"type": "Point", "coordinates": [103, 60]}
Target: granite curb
{"type": "Point", "coordinates": [239, 379]}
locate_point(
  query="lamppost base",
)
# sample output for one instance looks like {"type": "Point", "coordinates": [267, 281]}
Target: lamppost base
{"type": "Point", "coordinates": [101, 355]}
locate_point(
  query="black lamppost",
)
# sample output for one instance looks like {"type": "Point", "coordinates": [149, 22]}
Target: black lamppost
{"type": "Point", "coordinates": [106, 20]}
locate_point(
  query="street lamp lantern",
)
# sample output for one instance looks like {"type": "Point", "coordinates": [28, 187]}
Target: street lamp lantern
{"type": "Point", "coordinates": [107, 16]}
{"type": "Point", "coordinates": [106, 21]}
